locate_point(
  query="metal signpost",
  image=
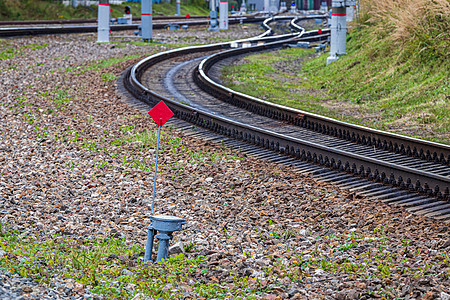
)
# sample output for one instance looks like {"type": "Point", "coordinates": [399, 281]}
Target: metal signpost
{"type": "Point", "coordinates": [164, 225]}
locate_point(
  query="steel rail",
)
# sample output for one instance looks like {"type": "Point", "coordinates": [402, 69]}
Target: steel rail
{"type": "Point", "coordinates": [137, 69]}
{"type": "Point", "coordinates": [385, 140]}
{"type": "Point", "coordinates": [335, 158]}
{"type": "Point", "coordinates": [86, 21]}
{"type": "Point", "coordinates": [23, 31]}
{"type": "Point", "coordinates": [367, 136]}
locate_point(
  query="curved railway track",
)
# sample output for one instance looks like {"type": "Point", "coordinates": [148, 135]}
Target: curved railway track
{"type": "Point", "coordinates": [69, 27]}
{"type": "Point", "coordinates": [390, 167]}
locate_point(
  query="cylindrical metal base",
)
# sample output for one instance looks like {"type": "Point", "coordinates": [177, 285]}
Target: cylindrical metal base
{"type": "Point", "coordinates": [163, 249]}
{"type": "Point", "coordinates": [165, 226]}
{"type": "Point", "coordinates": [149, 244]}
{"type": "Point", "coordinates": [103, 23]}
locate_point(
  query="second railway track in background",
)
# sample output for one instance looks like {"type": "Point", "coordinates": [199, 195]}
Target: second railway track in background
{"type": "Point", "coordinates": [389, 167]}
{"type": "Point", "coordinates": [21, 28]}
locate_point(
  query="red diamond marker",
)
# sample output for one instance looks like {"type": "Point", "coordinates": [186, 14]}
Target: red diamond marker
{"type": "Point", "coordinates": [160, 113]}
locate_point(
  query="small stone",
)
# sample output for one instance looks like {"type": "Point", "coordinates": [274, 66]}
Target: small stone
{"type": "Point", "coordinates": [138, 296]}
{"type": "Point", "coordinates": [446, 244]}
{"type": "Point", "coordinates": [262, 262]}
{"type": "Point", "coordinates": [340, 296]}
{"type": "Point", "coordinates": [319, 272]}
{"type": "Point", "coordinates": [127, 272]}
{"type": "Point", "coordinates": [167, 288]}
{"type": "Point", "coordinates": [176, 249]}
{"type": "Point", "coordinates": [293, 291]}
{"type": "Point", "coordinates": [352, 295]}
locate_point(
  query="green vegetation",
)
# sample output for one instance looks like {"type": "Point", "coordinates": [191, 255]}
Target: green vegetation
{"type": "Point", "coordinates": [42, 10]}
{"type": "Point", "coordinates": [112, 268]}
{"type": "Point", "coordinates": [374, 85]}
{"type": "Point", "coordinates": [54, 10]}
{"type": "Point", "coordinates": [7, 51]}
{"type": "Point", "coordinates": [108, 267]}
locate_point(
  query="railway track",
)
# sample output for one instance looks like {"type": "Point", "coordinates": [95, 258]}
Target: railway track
{"type": "Point", "coordinates": [389, 167]}
{"type": "Point", "coordinates": [87, 21]}
{"type": "Point", "coordinates": [70, 27]}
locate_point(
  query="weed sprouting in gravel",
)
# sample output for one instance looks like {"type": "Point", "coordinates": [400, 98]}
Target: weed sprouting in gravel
{"type": "Point", "coordinates": [60, 97]}
{"type": "Point", "coordinates": [109, 77]}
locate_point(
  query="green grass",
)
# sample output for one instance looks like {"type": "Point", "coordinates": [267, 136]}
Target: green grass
{"type": "Point", "coordinates": [107, 266]}
{"type": "Point", "coordinates": [386, 91]}
{"type": "Point", "coordinates": [110, 267]}
{"type": "Point", "coordinates": [51, 10]}
{"type": "Point", "coordinates": [7, 51]}
{"type": "Point", "coordinates": [42, 10]}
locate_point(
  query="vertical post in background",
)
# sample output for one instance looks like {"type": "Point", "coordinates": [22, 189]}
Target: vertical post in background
{"type": "Point", "coordinates": [338, 43]}
{"type": "Point", "coordinates": [178, 8]}
{"type": "Point", "coordinates": [243, 9]}
{"type": "Point", "coordinates": [223, 15]}
{"type": "Point", "coordinates": [146, 20]}
{"type": "Point", "coordinates": [213, 16]}
{"type": "Point", "coordinates": [103, 22]}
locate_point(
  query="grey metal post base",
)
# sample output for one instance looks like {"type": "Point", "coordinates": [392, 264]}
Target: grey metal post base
{"type": "Point", "coordinates": [165, 226]}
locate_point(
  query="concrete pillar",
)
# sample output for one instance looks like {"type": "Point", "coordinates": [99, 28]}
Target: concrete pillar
{"type": "Point", "coordinates": [338, 44]}
{"type": "Point", "coordinates": [178, 8]}
{"type": "Point", "coordinates": [146, 20]}
{"type": "Point", "coordinates": [266, 5]}
{"type": "Point", "coordinates": [103, 22]}
{"type": "Point", "coordinates": [223, 15]}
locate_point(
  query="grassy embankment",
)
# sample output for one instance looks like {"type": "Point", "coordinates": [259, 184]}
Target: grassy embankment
{"type": "Point", "coordinates": [49, 10]}
{"type": "Point", "coordinates": [395, 76]}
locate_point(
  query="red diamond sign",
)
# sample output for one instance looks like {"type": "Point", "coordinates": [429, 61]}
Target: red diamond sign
{"type": "Point", "coordinates": [160, 113]}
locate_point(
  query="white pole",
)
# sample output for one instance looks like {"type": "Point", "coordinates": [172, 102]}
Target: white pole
{"type": "Point", "coordinates": [178, 8]}
{"type": "Point", "coordinates": [223, 15]}
{"type": "Point", "coordinates": [266, 5]}
{"type": "Point", "coordinates": [338, 43]}
{"type": "Point", "coordinates": [103, 22]}
{"type": "Point", "coordinates": [156, 171]}
{"type": "Point", "coordinates": [146, 17]}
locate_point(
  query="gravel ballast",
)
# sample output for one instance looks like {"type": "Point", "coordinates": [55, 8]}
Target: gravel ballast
{"type": "Point", "coordinates": [74, 163]}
